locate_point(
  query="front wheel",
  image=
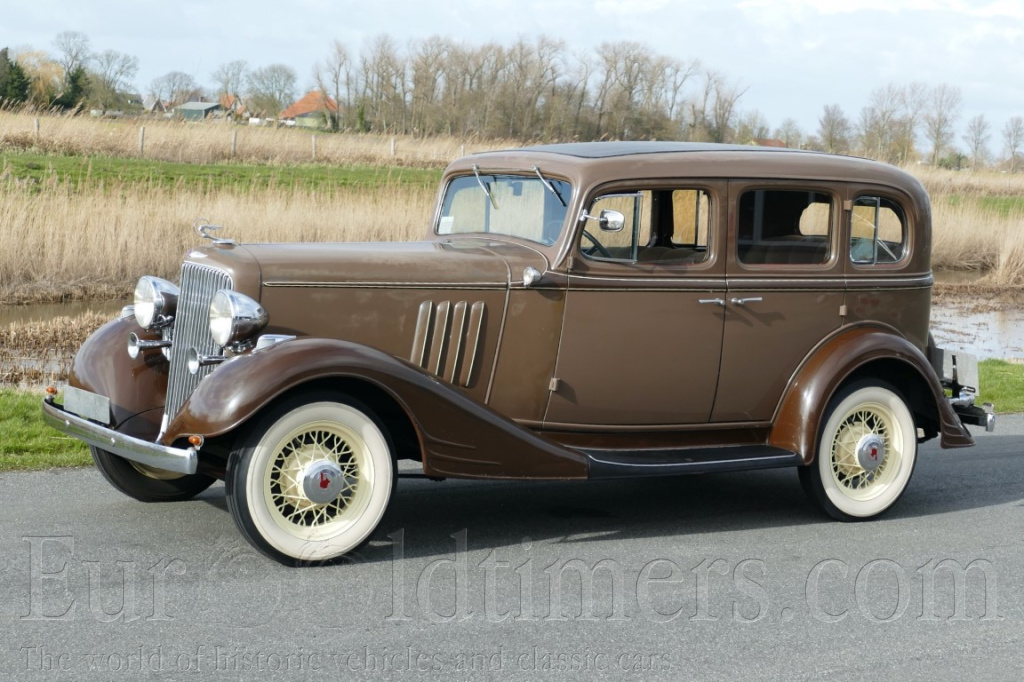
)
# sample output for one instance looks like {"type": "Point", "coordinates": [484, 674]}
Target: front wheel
{"type": "Point", "coordinates": [146, 483]}
{"type": "Point", "coordinates": [314, 482]}
{"type": "Point", "coordinates": [867, 449]}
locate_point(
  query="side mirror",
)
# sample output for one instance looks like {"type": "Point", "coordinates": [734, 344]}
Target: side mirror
{"type": "Point", "coordinates": [611, 221]}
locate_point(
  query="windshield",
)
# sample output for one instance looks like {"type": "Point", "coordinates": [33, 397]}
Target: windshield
{"type": "Point", "coordinates": [528, 207]}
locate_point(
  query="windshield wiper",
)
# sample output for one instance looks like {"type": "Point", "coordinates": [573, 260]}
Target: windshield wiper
{"type": "Point", "coordinates": [476, 172]}
{"type": "Point", "coordinates": [551, 188]}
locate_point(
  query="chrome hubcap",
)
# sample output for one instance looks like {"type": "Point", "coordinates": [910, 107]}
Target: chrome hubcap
{"type": "Point", "coordinates": [323, 481]}
{"type": "Point", "coordinates": [871, 452]}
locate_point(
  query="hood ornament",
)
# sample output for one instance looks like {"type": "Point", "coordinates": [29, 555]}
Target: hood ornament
{"type": "Point", "coordinates": [203, 227]}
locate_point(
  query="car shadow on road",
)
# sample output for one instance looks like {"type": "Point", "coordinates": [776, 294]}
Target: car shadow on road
{"type": "Point", "coordinates": [503, 514]}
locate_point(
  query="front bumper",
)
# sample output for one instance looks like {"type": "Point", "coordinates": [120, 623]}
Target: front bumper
{"type": "Point", "coordinates": [182, 461]}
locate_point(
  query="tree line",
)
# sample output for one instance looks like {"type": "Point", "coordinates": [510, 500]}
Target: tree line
{"type": "Point", "coordinates": [528, 90]}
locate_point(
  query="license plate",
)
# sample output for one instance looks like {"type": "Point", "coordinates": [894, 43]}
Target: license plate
{"type": "Point", "coordinates": [87, 404]}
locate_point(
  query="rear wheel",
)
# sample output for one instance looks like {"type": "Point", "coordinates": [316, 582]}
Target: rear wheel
{"type": "Point", "coordinates": [146, 483]}
{"type": "Point", "coordinates": [867, 449]}
{"type": "Point", "coordinates": [311, 480]}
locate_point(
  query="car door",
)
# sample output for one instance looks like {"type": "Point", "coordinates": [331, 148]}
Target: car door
{"type": "Point", "coordinates": [786, 290]}
{"type": "Point", "coordinates": [642, 328]}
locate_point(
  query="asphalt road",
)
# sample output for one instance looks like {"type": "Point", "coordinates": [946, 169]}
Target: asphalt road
{"type": "Point", "coordinates": [730, 576]}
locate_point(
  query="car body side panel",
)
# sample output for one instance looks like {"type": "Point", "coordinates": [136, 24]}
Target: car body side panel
{"type": "Point", "coordinates": [802, 410]}
{"type": "Point", "coordinates": [459, 436]}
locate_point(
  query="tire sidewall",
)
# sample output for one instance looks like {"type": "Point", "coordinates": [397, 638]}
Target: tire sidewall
{"type": "Point", "coordinates": [248, 468]}
{"type": "Point", "coordinates": [126, 478]}
{"type": "Point", "coordinates": [832, 497]}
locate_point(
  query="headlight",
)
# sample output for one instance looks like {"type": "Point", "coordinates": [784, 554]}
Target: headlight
{"type": "Point", "coordinates": [235, 317]}
{"type": "Point", "coordinates": [155, 301]}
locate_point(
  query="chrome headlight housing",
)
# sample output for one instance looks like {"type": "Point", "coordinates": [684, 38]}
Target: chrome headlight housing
{"type": "Point", "coordinates": [155, 302]}
{"type": "Point", "coordinates": [235, 318]}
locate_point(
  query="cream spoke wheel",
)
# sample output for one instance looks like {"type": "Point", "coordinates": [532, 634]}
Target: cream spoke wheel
{"type": "Point", "coordinates": [313, 484]}
{"type": "Point", "coordinates": [866, 452]}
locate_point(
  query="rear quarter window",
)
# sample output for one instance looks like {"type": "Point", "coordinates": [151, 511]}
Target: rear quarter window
{"type": "Point", "coordinates": [878, 231]}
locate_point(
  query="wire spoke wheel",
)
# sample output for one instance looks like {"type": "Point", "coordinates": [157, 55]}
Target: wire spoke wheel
{"type": "Point", "coordinates": [314, 484]}
{"type": "Point", "coordinates": [862, 482]}
{"type": "Point", "coordinates": [866, 453]}
{"type": "Point", "coordinates": [311, 455]}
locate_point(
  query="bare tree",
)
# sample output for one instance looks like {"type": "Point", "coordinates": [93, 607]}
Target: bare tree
{"type": "Point", "coordinates": [789, 132]}
{"type": "Point", "coordinates": [112, 74]}
{"type": "Point", "coordinates": [943, 110]}
{"type": "Point", "coordinates": [912, 101]}
{"type": "Point", "coordinates": [73, 51]}
{"type": "Point", "coordinates": [382, 86]}
{"type": "Point", "coordinates": [834, 130]}
{"type": "Point", "coordinates": [977, 138]}
{"type": "Point", "coordinates": [879, 124]}
{"type": "Point", "coordinates": [271, 88]}
{"type": "Point", "coordinates": [230, 77]}
{"type": "Point", "coordinates": [333, 77]}
{"type": "Point", "coordinates": [752, 127]}
{"type": "Point", "coordinates": [723, 106]}
{"type": "Point", "coordinates": [1013, 138]}
{"type": "Point", "coordinates": [174, 88]}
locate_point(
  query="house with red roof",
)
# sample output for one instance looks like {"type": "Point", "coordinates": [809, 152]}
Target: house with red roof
{"type": "Point", "coordinates": [311, 111]}
{"type": "Point", "coordinates": [233, 105]}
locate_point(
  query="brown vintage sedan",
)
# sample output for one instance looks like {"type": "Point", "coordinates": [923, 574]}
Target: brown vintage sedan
{"type": "Point", "coordinates": [575, 311]}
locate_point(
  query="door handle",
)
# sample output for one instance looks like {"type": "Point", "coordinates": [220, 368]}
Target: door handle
{"type": "Point", "coordinates": [744, 301]}
{"type": "Point", "coordinates": [713, 301]}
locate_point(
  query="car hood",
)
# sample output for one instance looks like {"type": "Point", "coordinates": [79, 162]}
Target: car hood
{"type": "Point", "coordinates": [468, 263]}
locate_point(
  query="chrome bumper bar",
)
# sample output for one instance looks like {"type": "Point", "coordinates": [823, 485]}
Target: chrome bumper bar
{"type": "Point", "coordinates": [102, 437]}
{"type": "Point", "coordinates": [970, 413]}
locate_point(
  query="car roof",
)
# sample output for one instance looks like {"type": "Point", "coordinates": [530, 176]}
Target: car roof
{"type": "Point", "coordinates": [604, 150]}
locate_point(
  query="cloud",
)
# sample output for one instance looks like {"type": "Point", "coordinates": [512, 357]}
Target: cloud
{"type": "Point", "coordinates": [626, 7]}
{"type": "Point", "coordinates": [1006, 9]}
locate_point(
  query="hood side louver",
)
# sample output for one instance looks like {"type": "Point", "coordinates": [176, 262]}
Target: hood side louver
{"type": "Point", "coordinates": [447, 339]}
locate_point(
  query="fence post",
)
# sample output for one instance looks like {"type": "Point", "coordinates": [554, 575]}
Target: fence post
{"type": "Point", "coordinates": [142, 140]}
{"type": "Point", "coordinates": [314, 147]}
{"type": "Point", "coordinates": [37, 129]}
{"type": "Point", "coordinates": [392, 146]}
{"type": "Point", "coordinates": [234, 142]}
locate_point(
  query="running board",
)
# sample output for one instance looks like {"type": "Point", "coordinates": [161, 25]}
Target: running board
{"type": "Point", "coordinates": [671, 462]}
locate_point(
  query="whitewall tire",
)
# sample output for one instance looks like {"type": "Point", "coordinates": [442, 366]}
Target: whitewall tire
{"type": "Point", "coordinates": [312, 480]}
{"type": "Point", "coordinates": [867, 449]}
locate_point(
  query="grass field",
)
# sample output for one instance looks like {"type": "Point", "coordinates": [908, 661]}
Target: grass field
{"type": "Point", "coordinates": [39, 173]}
{"type": "Point", "coordinates": [26, 443]}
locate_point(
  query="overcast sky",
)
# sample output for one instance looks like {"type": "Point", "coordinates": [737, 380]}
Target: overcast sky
{"type": "Point", "coordinates": [794, 56]}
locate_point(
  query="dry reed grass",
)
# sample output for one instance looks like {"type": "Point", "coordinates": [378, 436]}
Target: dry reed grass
{"type": "Point", "coordinates": [66, 244]}
{"type": "Point", "coordinates": [62, 244]}
{"type": "Point", "coordinates": [36, 353]}
{"type": "Point", "coordinates": [972, 184]}
{"type": "Point", "coordinates": [211, 142]}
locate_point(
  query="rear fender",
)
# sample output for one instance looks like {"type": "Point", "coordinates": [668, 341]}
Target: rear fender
{"type": "Point", "coordinates": [854, 353]}
{"type": "Point", "coordinates": [458, 436]}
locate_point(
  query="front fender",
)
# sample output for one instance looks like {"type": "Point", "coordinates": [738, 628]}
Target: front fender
{"type": "Point", "coordinates": [800, 413]}
{"type": "Point", "coordinates": [102, 365]}
{"type": "Point", "coordinates": [458, 436]}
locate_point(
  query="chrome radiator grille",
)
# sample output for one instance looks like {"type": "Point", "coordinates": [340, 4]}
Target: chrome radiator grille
{"type": "Point", "coordinates": [192, 330]}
